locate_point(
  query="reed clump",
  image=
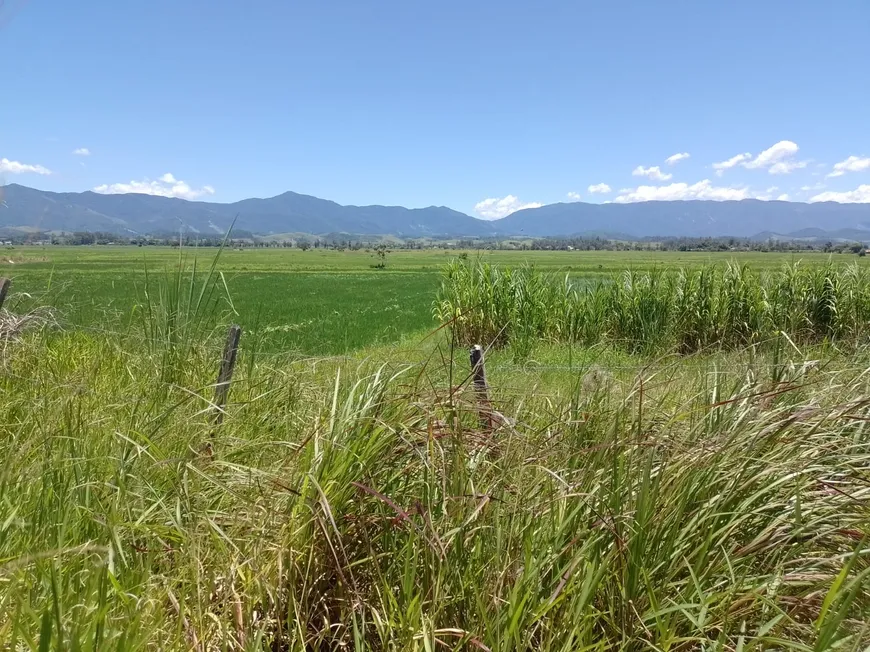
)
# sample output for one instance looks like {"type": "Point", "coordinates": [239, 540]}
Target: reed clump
{"type": "Point", "coordinates": [684, 310]}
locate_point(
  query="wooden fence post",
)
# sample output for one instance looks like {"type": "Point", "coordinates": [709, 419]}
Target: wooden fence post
{"type": "Point", "coordinates": [225, 375]}
{"type": "Point", "coordinates": [481, 389]}
{"type": "Point", "coordinates": [4, 289]}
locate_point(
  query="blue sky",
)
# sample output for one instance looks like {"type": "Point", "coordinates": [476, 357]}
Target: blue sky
{"type": "Point", "coordinates": [481, 106]}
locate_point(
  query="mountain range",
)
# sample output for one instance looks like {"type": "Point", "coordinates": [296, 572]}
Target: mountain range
{"type": "Point", "coordinates": [23, 207]}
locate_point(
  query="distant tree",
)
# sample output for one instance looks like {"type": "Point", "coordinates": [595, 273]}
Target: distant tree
{"type": "Point", "coordinates": [381, 252]}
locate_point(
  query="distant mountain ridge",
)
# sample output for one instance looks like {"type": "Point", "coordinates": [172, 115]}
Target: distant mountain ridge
{"type": "Point", "coordinates": [696, 218]}
{"type": "Point", "coordinates": [288, 212]}
{"type": "Point", "coordinates": [293, 212]}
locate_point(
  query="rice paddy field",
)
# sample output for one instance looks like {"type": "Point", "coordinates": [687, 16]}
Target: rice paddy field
{"type": "Point", "coordinates": [315, 302]}
{"type": "Point", "coordinates": [673, 453]}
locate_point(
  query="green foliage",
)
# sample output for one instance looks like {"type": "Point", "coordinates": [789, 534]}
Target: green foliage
{"type": "Point", "coordinates": [658, 310]}
{"type": "Point", "coordinates": [361, 507]}
{"type": "Point", "coordinates": [317, 302]}
{"type": "Point", "coordinates": [311, 303]}
{"type": "Point", "coordinates": [381, 253]}
{"type": "Point", "coordinates": [695, 503]}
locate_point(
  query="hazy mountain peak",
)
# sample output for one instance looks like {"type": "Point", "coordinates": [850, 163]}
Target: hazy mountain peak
{"type": "Point", "coordinates": [294, 212]}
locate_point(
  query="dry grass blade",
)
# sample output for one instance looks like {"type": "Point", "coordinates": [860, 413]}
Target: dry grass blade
{"type": "Point", "coordinates": [12, 325]}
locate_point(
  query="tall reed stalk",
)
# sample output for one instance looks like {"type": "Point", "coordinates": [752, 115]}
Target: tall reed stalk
{"type": "Point", "coordinates": [686, 310]}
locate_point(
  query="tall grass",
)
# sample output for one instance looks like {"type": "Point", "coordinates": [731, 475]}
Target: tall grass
{"type": "Point", "coordinates": [363, 508]}
{"type": "Point", "coordinates": [179, 309]}
{"type": "Point", "coordinates": [683, 310]}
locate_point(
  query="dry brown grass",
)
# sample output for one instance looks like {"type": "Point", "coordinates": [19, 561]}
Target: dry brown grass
{"type": "Point", "coordinates": [12, 325]}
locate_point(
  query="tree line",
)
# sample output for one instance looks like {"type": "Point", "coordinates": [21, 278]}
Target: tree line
{"type": "Point", "coordinates": [246, 239]}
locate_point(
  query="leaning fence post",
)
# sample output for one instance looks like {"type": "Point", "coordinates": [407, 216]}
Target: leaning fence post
{"type": "Point", "coordinates": [481, 389]}
{"type": "Point", "coordinates": [4, 289]}
{"type": "Point", "coordinates": [225, 375]}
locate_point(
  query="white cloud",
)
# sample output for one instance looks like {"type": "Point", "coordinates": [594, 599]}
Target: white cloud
{"type": "Point", "coordinates": [767, 195]}
{"type": "Point", "coordinates": [721, 166]}
{"type": "Point", "coordinates": [782, 149]}
{"type": "Point", "coordinates": [676, 158]}
{"type": "Point", "coordinates": [786, 167]}
{"type": "Point", "coordinates": [680, 191]}
{"type": "Point", "coordinates": [82, 151]}
{"type": "Point", "coordinates": [494, 208]}
{"type": "Point", "coordinates": [777, 159]}
{"type": "Point", "coordinates": [165, 186]}
{"type": "Point", "coordinates": [817, 186]}
{"type": "Point", "coordinates": [574, 196]}
{"type": "Point", "coordinates": [861, 195]}
{"type": "Point", "coordinates": [14, 167]}
{"type": "Point", "coordinates": [851, 164]}
{"type": "Point", "coordinates": [599, 188]}
{"type": "Point", "coordinates": [653, 173]}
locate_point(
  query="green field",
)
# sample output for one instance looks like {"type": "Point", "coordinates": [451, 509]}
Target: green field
{"type": "Point", "coordinates": [602, 496]}
{"type": "Point", "coordinates": [315, 302]}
